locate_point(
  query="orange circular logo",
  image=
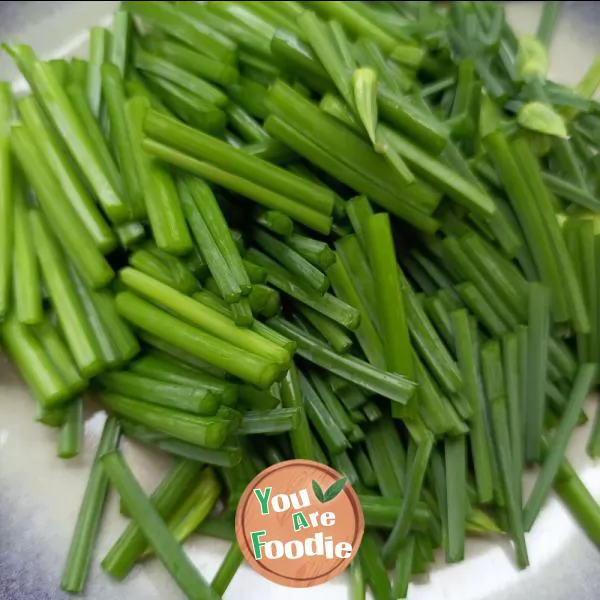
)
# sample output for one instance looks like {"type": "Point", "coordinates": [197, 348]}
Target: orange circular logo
{"type": "Point", "coordinates": [299, 523]}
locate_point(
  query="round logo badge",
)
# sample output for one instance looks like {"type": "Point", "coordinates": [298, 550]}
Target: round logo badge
{"type": "Point", "coordinates": [299, 523]}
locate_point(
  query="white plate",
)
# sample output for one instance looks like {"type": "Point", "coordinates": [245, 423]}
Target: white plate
{"type": "Point", "coordinates": [40, 495]}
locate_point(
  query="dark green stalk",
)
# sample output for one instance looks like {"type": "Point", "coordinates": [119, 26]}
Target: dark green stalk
{"type": "Point", "coordinates": [373, 567]}
{"type": "Point", "coordinates": [172, 490]}
{"type": "Point", "coordinates": [578, 500]}
{"type": "Point", "coordinates": [209, 432]}
{"type": "Point", "coordinates": [6, 197]}
{"type": "Point", "coordinates": [279, 420]}
{"type": "Point", "coordinates": [184, 27]}
{"type": "Point", "coordinates": [157, 534]}
{"type": "Point", "coordinates": [506, 468]}
{"type": "Point", "coordinates": [539, 331]}
{"type": "Point", "coordinates": [389, 297]}
{"type": "Point", "coordinates": [353, 289]}
{"type": "Point", "coordinates": [573, 292]}
{"type": "Point", "coordinates": [403, 568]}
{"type": "Point", "coordinates": [79, 557]}
{"type": "Point", "coordinates": [226, 456]}
{"type": "Point", "coordinates": [529, 216]}
{"type": "Point", "coordinates": [27, 291]}
{"type": "Point", "coordinates": [207, 68]}
{"type": "Point", "coordinates": [162, 203]}
{"type": "Point", "coordinates": [195, 400]}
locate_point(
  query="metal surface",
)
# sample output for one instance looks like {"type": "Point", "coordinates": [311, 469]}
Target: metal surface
{"type": "Point", "coordinates": [40, 495]}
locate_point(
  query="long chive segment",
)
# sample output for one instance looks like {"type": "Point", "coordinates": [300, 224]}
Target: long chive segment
{"type": "Point", "coordinates": [505, 460]}
{"type": "Point", "coordinates": [114, 96]}
{"type": "Point", "coordinates": [155, 530]}
{"type": "Point", "coordinates": [539, 331]}
{"type": "Point", "coordinates": [198, 314]}
{"type": "Point", "coordinates": [266, 197]}
{"type": "Point", "coordinates": [90, 514]}
{"type": "Point", "coordinates": [27, 289]}
{"type": "Point", "coordinates": [200, 401]}
{"type": "Point", "coordinates": [374, 569]}
{"type": "Point", "coordinates": [68, 306]}
{"type": "Point", "coordinates": [219, 230]}
{"type": "Point", "coordinates": [396, 338]}
{"type": "Point", "coordinates": [83, 204]}
{"type": "Point", "coordinates": [6, 198]}
{"type": "Point", "coordinates": [495, 392]}
{"type": "Point", "coordinates": [62, 217]}
{"type": "Point", "coordinates": [291, 397]}
{"type": "Point", "coordinates": [163, 205]}
{"type": "Point", "coordinates": [249, 367]}
{"type": "Point", "coordinates": [581, 387]}
{"type": "Point", "coordinates": [312, 134]}
{"type": "Point", "coordinates": [573, 290]}
{"type": "Point", "coordinates": [358, 586]}
{"type": "Point", "coordinates": [171, 491]}
{"type": "Point", "coordinates": [192, 32]}
{"type": "Point", "coordinates": [456, 480]}
{"type": "Point", "coordinates": [390, 385]}
{"type": "Point", "coordinates": [67, 122]}
{"type": "Point", "coordinates": [204, 147]}
{"type": "Point", "coordinates": [207, 431]}
{"type": "Point", "coordinates": [415, 477]}
{"type": "Point", "coordinates": [529, 217]}
{"type": "Point", "coordinates": [71, 433]}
